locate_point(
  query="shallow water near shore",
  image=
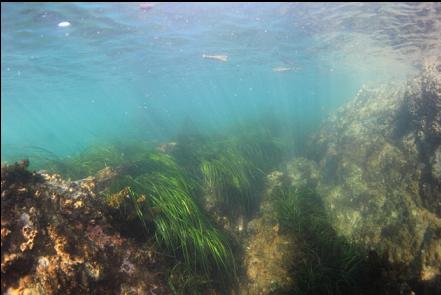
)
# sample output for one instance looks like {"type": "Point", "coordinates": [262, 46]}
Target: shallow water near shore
{"type": "Point", "coordinates": [121, 71]}
{"type": "Point", "coordinates": [271, 148]}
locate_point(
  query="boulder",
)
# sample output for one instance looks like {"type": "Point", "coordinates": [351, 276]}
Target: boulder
{"type": "Point", "coordinates": [56, 238]}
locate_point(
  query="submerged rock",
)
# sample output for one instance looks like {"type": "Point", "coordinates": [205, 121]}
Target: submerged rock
{"type": "Point", "coordinates": [269, 254]}
{"type": "Point", "coordinates": [376, 164]}
{"type": "Point", "coordinates": [56, 239]}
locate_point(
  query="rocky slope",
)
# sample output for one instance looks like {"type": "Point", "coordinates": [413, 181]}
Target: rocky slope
{"type": "Point", "coordinates": [376, 164]}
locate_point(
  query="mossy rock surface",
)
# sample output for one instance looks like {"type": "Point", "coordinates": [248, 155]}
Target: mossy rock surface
{"type": "Point", "coordinates": [378, 163]}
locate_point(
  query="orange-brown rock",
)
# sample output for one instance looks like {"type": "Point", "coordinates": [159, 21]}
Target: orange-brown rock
{"type": "Point", "coordinates": [57, 239]}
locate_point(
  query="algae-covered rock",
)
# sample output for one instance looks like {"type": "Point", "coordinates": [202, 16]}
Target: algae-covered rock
{"type": "Point", "coordinates": [56, 239]}
{"type": "Point", "coordinates": [268, 259]}
{"type": "Point", "coordinates": [378, 159]}
{"type": "Point", "coordinates": [269, 253]}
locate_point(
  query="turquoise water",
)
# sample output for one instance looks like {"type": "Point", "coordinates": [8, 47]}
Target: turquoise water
{"type": "Point", "coordinates": [136, 71]}
{"type": "Point", "coordinates": [232, 148]}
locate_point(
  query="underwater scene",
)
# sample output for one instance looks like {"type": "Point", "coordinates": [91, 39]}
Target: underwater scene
{"type": "Point", "coordinates": [221, 148]}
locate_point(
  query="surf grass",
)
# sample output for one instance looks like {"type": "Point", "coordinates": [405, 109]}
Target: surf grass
{"type": "Point", "coordinates": [234, 172]}
{"type": "Point", "coordinates": [184, 281]}
{"type": "Point", "coordinates": [164, 191]}
{"type": "Point", "coordinates": [231, 166]}
{"type": "Point", "coordinates": [330, 263]}
{"type": "Point", "coordinates": [229, 177]}
{"type": "Point", "coordinates": [96, 157]}
{"type": "Point", "coordinates": [182, 227]}
{"type": "Point", "coordinates": [161, 194]}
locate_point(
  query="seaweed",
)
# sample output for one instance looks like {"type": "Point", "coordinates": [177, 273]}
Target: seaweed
{"type": "Point", "coordinates": [158, 193]}
{"type": "Point", "coordinates": [161, 194]}
{"type": "Point", "coordinates": [183, 281]}
{"type": "Point", "coordinates": [229, 177]}
{"type": "Point", "coordinates": [120, 156]}
{"type": "Point", "coordinates": [17, 173]}
{"type": "Point", "coordinates": [231, 165]}
{"type": "Point", "coordinates": [330, 264]}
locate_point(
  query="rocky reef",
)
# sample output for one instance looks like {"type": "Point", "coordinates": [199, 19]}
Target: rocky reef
{"type": "Point", "coordinates": [376, 165]}
{"type": "Point", "coordinates": [359, 212]}
{"type": "Point", "coordinates": [56, 238]}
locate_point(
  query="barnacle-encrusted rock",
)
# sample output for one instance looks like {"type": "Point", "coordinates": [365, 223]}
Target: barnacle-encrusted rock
{"type": "Point", "coordinates": [56, 239]}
